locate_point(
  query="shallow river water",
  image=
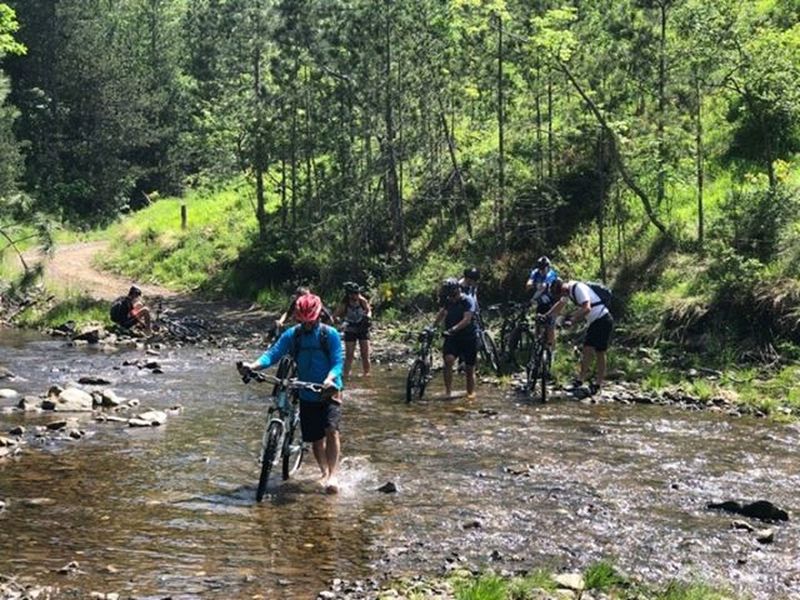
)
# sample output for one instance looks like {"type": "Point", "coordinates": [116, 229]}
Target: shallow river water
{"type": "Point", "coordinates": [500, 482]}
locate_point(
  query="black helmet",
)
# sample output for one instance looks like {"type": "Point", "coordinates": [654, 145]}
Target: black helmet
{"type": "Point", "coordinates": [472, 273]}
{"type": "Point", "coordinates": [543, 262]}
{"type": "Point", "coordinates": [450, 285]}
{"type": "Point", "coordinates": [351, 287]}
{"type": "Point", "coordinates": [134, 291]}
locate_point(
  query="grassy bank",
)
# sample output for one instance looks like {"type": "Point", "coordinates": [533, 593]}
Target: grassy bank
{"type": "Point", "coordinates": [599, 580]}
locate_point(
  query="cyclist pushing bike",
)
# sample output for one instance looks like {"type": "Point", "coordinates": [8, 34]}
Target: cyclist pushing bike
{"type": "Point", "coordinates": [458, 310]}
{"type": "Point", "coordinates": [539, 282]}
{"type": "Point", "coordinates": [317, 350]}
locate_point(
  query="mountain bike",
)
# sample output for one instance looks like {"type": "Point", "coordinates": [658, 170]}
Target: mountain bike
{"type": "Point", "coordinates": [420, 373]}
{"type": "Point", "coordinates": [486, 347]}
{"type": "Point", "coordinates": [540, 361]}
{"type": "Point", "coordinates": [282, 438]}
{"type": "Point", "coordinates": [513, 344]}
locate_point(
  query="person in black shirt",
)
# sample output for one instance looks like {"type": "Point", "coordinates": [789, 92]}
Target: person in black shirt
{"type": "Point", "coordinates": [458, 311]}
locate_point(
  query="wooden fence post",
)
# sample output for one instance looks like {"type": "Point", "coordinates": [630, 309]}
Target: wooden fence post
{"type": "Point", "coordinates": [183, 216]}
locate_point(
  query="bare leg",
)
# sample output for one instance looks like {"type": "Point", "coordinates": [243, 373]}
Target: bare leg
{"type": "Point", "coordinates": [349, 353]}
{"type": "Point", "coordinates": [469, 373]}
{"type": "Point", "coordinates": [320, 453]}
{"type": "Point", "coordinates": [364, 348]}
{"type": "Point", "coordinates": [601, 368]}
{"type": "Point", "coordinates": [332, 450]}
{"type": "Point", "coordinates": [449, 361]}
{"type": "Point", "coordinates": [586, 362]}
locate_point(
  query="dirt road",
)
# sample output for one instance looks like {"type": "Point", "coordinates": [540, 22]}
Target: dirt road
{"type": "Point", "coordinates": [72, 267]}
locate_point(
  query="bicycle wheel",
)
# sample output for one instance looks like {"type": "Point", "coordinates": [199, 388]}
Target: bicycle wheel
{"type": "Point", "coordinates": [416, 381]}
{"type": "Point", "coordinates": [292, 451]}
{"type": "Point", "coordinates": [544, 374]}
{"type": "Point", "coordinates": [520, 344]}
{"type": "Point", "coordinates": [268, 458]}
{"type": "Point", "coordinates": [533, 371]}
{"type": "Point", "coordinates": [489, 352]}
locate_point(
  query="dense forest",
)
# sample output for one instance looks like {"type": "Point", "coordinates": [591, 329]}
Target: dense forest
{"type": "Point", "coordinates": [382, 139]}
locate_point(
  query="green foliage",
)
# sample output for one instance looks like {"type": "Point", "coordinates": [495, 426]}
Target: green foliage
{"type": "Point", "coordinates": [486, 587]}
{"type": "Point", "coordinates": [9, 25]}
{"type": "Point", "coordinates": [602, 576]}
{"type": "Point", "coordinates": [75, 308]}
{"type": "Point", "coordinates": [691, 591]}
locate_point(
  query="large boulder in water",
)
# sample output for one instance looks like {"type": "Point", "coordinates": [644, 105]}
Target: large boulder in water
{"type": "Point", "coordinates": [71, 400]}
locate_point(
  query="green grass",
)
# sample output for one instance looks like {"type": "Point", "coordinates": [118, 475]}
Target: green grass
{"type": "Point", "coordinates": [602, 576]}
{"type": "Point", "coordinates": [74, 307]}
{"type": "Point", "coordinates": [151, 246]}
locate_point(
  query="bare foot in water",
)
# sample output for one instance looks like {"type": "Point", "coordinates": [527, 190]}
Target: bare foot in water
{"type": "Point", "coordinates": [332, 486]}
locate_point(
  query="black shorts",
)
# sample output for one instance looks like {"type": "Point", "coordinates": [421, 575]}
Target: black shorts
{"type": "Point", "coordinates": [362, 333]}
{"type": "Point", "coordinates": [543, 307]}
{"type": "Point", "coordinates": [317, 417]}
{"type": "Point", "coordinates": [463, 347]}
{"type": "Point", "coordinates": [598, 335]}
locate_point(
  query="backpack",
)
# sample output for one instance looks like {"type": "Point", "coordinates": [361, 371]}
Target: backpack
{"type": "Point", "coordinates": [603, 292]}
{"type": "Point", "coordinates": [323, 341]}
{"type": "Point", "coordinates": [120, 309]}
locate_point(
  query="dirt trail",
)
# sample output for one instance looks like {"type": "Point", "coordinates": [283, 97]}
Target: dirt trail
{"type": "Point", "coordinates": [72, 267]}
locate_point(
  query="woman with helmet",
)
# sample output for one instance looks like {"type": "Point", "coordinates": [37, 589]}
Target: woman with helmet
{"type": "Point", "coordinates": [317, 350]}
{"type": "Point", "coordinates": [355, 313]}
{"type": "Point", "coordinates": [457, 311]}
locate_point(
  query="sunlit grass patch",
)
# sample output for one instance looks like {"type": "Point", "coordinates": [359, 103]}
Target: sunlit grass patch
{"type": "Point", "coordinates": [75, 307]}
{"type": "Point", "coordinates": [485, 587]}
{"type": "Point", "coordinates": [602, 576]}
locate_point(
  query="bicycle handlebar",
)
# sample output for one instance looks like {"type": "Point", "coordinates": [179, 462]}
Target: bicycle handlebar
{"type": "Point", "coordinates": [249, 375]}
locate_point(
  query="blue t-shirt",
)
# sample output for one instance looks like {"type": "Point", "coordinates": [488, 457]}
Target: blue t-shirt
{"type": "Point", "coordinates": [542, 281]}
{"type": "Point", "coordinates": [455, 313]}
{"type": "Point", "coordinates": [313, 363]}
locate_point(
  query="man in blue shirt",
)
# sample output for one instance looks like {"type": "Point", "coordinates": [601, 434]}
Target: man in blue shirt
{"type": "Point", "coordinates": [458, 311]}
{"type": "Point", "coordinates": [317, 350]}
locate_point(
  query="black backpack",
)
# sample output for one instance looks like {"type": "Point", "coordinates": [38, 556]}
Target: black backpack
{"type": "Point", "coordinates": [603, 292]}
{"type": "Point", "coordinates": [323, 341]}
{"type": "Point", "coordinates": [120, 309]}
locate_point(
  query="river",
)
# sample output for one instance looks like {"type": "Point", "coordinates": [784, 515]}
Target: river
{"type": "Point", "coordinates": [500, 482]}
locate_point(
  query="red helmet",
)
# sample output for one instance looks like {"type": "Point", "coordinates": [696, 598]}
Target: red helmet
{"type": "Point", "coordinates": [307, 308]}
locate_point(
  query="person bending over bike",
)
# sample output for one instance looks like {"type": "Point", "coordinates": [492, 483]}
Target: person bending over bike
{"type": "Point", "coordinates": [469, 284]}
{"type": "Point", "coordinates": [317, 350]}
{"type": "Point", "coordinates": [458, 310]}
{"type": "Point", "coordinates": [539, 281]}
{"type": "Point", "coordinates": [130, 312]}
{"type": "Point", "coordinates": [356, 314]}
{"type": "Point", "coordinates": [598, 335]}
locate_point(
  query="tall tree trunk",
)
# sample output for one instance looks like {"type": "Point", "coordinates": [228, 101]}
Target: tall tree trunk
{"type": "Point", "coordinates": [662, 105]}
{"type": "Point", "coordinates": [464, 203]}
{"type": "Point", "coordinates": [501, 175]}
{"type": "Point", "coordinates": [284, 208]}
{"type": "Point", "coordinates": [549, 125]}
{"type": "Point", "coordinates": [259, 150]}
{"type": "Point", "coordinates": [698, 141]}
{"type": "Point", "coordinates": [538, 102]}
{"type": "Point", "coordinates": [392, 187]}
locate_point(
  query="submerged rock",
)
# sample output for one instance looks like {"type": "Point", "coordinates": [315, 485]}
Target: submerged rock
{"type": "Point", "coordinates": [71, 400]}
{"type": "Point", "coordinates": [765, 536]}
{"type": "Point", "coordinates": [388, 488]}
{"type": "Point", "coordinates": [762, 510]}
{"type": "Point", "coordinates": [150, 418]}
{"type": "Point", "coordinates": [93, 380]}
